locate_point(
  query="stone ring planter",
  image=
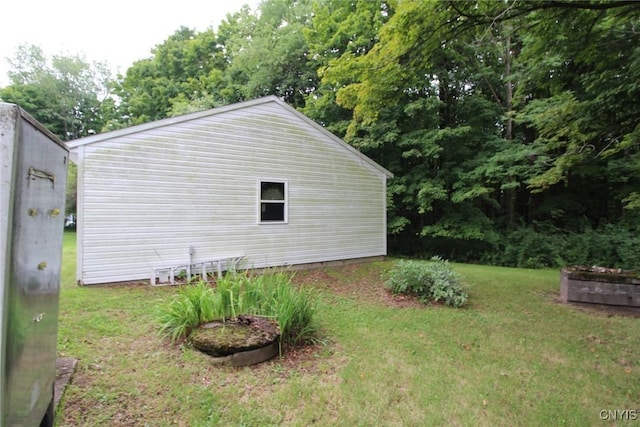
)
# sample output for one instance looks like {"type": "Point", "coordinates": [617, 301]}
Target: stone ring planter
{"type": "Point", "coordinates": [598, 285]}
{"type": "Point", "coordinates": [245, 340]}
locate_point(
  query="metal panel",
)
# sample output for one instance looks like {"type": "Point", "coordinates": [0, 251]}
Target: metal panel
{"type": "Point", "coordinates": [33, 194]}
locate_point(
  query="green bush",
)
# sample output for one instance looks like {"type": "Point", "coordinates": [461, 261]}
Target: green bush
{"type": "Point", "coordinates": [529, 248]}
{"type": "Point", "coordinates": [270, 295]}
{"type": "Point", "coordinates": [542, 246]}
{"type": "Point", "coordinates": [428, 280]}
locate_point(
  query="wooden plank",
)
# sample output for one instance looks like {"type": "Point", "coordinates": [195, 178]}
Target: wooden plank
{"type": "Point", "coordinates": [603, 293]}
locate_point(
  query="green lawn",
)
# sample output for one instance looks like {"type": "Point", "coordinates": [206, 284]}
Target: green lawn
{"type": "Point", "coordinates": [513, 356]}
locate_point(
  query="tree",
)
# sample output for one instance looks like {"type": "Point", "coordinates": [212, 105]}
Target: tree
{"type": "Point", "coordinates": [251, 56]}
{"type": "Point", "coordinates": [64, 92]}
{"type": "Point", "coordinates": [494, 115]}
{"type": "Point", "coordinates": [413, 103]}
{"type": "Point", "coordinates": [576, 58]}
{"type": "Point", "coordinates": [268, 55]}
{"type": "Point", "coordinates": [582, 101]}
{"type": "Point", "coordinates": [185, 68]}
{"type": "Point", "coordinates": [339, 33]}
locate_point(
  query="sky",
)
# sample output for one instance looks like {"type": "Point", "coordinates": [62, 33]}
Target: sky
{"type": "Point", "coordinates": [117, 32]}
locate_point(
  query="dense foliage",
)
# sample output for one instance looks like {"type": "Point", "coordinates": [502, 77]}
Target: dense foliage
{"type": "Point", "coordinates": [512, 128]}
{"type": "Point", "coordinates": [430, 281]}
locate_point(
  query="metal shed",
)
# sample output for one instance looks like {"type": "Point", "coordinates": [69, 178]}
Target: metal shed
{"type": "Point", "coordinates": [33, 175]}
{"type": "Point", "coordinates": [256, 181]}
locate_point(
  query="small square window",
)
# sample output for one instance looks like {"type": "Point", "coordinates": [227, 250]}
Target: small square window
{"type": "Point", "coordinates": [273, 201]}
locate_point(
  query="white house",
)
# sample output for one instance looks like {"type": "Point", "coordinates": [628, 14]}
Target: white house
{"type": "Point", "coordinates": [256, 180]}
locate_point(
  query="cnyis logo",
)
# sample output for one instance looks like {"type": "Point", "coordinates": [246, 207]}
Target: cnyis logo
{"type": "Point", "coordinates": [619, 414]}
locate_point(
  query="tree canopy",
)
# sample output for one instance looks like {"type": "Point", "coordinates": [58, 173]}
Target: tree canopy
{"type": "Point", "coordinates": [65, 93]}
{"type": "Point", "coordinates": [512, 128]}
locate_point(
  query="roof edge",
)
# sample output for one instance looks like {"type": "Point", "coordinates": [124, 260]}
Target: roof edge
{"type": "Point", "coordinates": [218, 110]}
{"type": "Point", "coordinates": [335, 138]}
{"type": "Point", "coordinates": [35, 123]}
{"type": "Point", "coordinates": [168, 121]}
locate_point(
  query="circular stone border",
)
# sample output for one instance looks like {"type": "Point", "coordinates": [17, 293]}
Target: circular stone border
{"type": "Point", "coordinates": [249, 357]}
{"type": "Point", "coordinates": [247, 354]}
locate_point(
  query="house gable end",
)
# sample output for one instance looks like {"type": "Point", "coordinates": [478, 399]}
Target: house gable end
{"type": "Point", "coordinates": [257, 179]}
{"type": "Point", "coordinates": [218, 111]}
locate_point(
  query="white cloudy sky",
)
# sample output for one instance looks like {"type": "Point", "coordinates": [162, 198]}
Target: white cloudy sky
{"type": "Point", "coordinates": [118, 32]}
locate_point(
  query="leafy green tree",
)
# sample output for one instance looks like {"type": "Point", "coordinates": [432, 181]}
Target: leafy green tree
{"type": "Point", "coordinates": [270, 55]}
{"type": "Point", "coordinates": [339, 32]}
{"type": "Point", "coordinates": [413, 109]}
{"type": "Point", "coordinates": [184, 68]}
{"type": "Point", "coordinates": [575, 80]}
{"type": "Point", "coordinates": [582, 102]}
{"type": "Point", "coordinates": [251, 56]}
{"type": "Point", "coordinates": [494, 114]}
{"type": "Point", "coordinates": [64, 93]}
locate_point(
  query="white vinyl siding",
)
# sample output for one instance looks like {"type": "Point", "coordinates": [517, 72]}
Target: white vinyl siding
{"type": "Point", "coordinates": [146, 197]}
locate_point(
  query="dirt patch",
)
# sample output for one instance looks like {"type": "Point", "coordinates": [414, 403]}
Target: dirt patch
{"type": "Point", "coordinates": [602, 309]}
{"type": "Point", "coordinates": [361, 282]}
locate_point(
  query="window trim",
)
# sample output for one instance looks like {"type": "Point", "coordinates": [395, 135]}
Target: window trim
{"type": "Point", "coordinates": [285, 202]}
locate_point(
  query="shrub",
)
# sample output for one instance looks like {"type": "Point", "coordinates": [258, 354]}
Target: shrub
{"type": "Point", "coordinates": [270, 295]}
{"type": "Point", "coordinates": [541, 246]}
{"type": "Point", "coordinates": [428, 280]}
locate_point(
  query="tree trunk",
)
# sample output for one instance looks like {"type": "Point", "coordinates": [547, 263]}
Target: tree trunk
{"type": "Point", "coordinates": [510, 193]}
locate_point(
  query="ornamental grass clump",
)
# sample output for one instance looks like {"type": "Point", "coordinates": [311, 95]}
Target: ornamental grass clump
{"type": "Point", "coordinates": [192, 306]}
{"type": "Point", "coordinates": [430, 281]}
{"type": "Point", "coordinates": [270, 295]}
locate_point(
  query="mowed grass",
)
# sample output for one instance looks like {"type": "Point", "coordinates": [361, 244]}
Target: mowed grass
{"type": "Point", "coordinates": [513, 356]}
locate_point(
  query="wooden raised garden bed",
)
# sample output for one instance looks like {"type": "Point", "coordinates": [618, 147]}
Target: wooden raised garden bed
{"type": "Point", "coordinates": [597, 285]}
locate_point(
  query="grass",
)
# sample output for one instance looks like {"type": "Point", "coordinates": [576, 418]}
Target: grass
{"type": "Point", "coordinates": [512, 356]}
{"type": "Point", "coordinates": [270, 295]}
